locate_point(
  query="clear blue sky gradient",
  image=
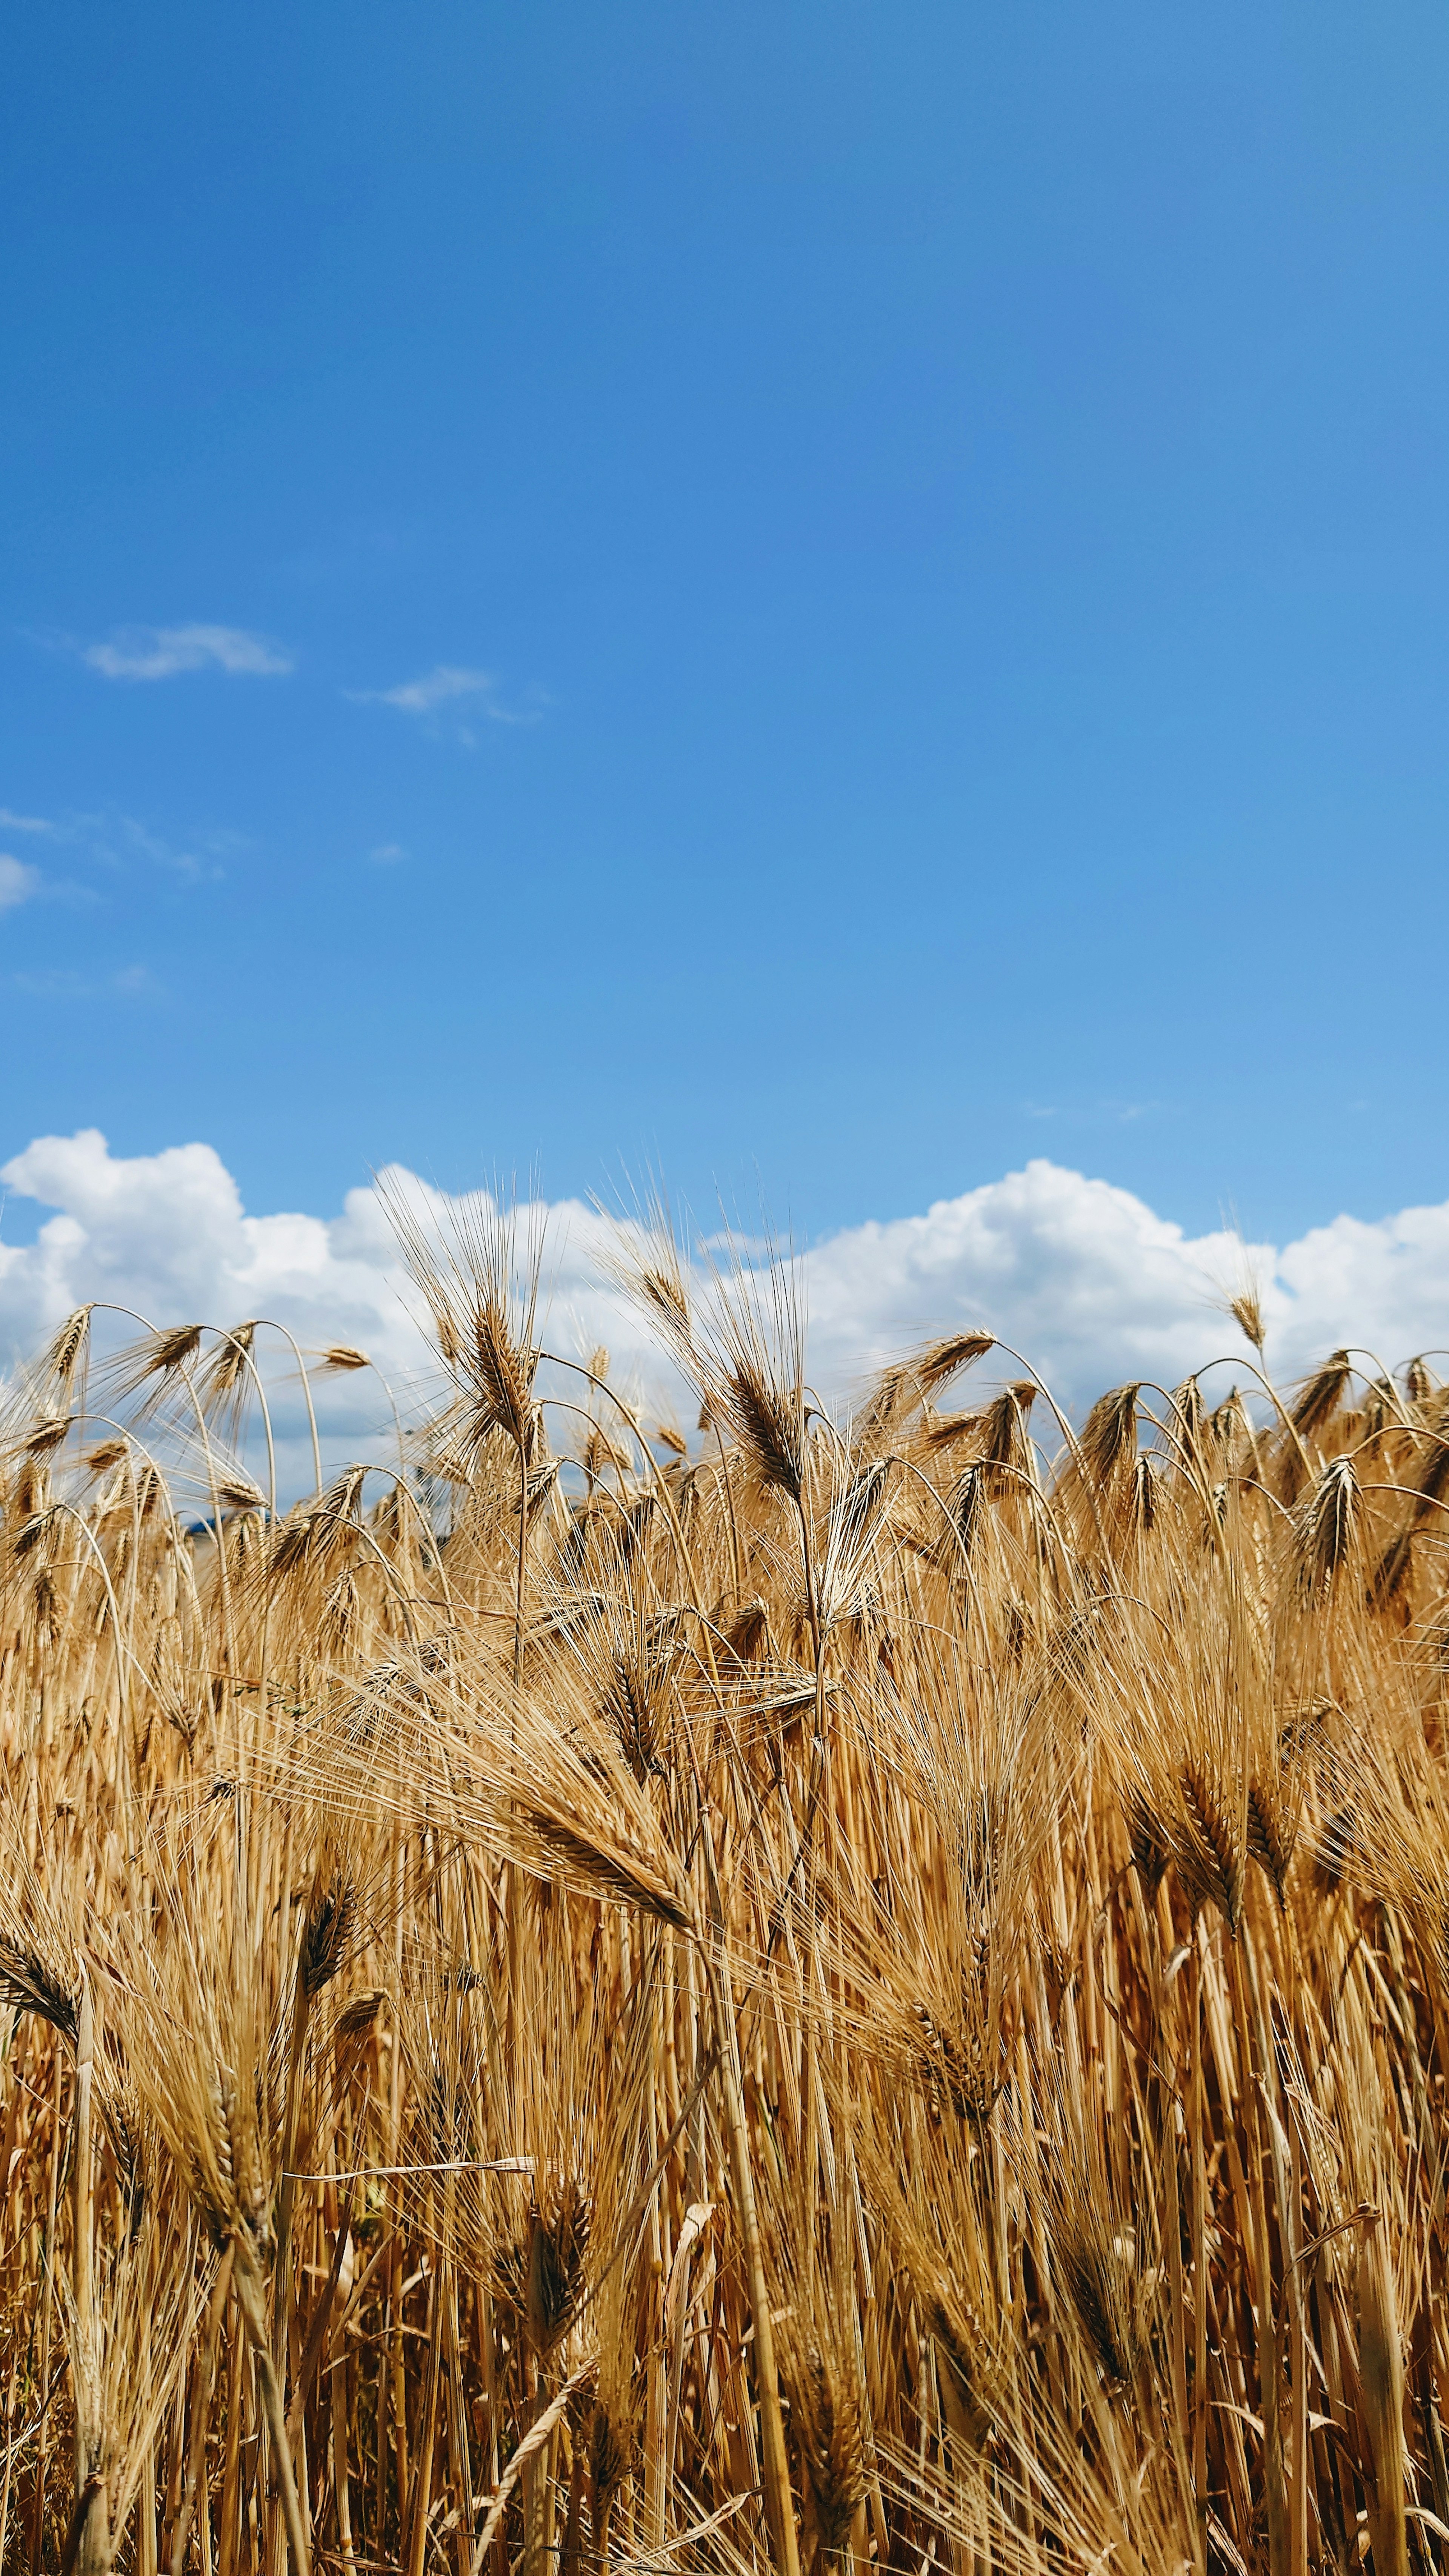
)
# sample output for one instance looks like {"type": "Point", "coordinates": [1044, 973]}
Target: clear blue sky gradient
{"type": "Point", "coordinates": [956, 496]}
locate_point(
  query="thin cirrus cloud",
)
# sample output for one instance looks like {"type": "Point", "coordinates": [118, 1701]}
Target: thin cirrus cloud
{"type": "Point", "coordinates": [1084, 1278]}
{"type": "Point", "coordinates": [435, 689]}
{"type": "Point", "coordinates": [66, 986]}
{"type": "Point", "coordinates": [162, 652]}
{"type": "Point", "coordinates": [450, 689]}
{"type": "Point", "coordinates": [17, 881]}
{"type": "Point", "coordinates": [103, 846]}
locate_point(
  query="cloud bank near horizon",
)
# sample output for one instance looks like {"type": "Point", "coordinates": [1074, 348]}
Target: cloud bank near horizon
{"type": "Point", "coordinates": [1081, 1277]}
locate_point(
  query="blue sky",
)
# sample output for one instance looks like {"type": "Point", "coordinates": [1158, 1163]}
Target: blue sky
{"type": "Point", "coordinates": [857, 592]}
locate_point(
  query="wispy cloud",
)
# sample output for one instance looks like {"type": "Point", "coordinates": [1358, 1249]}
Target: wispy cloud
{"type": "Point", "coordinates": [1084, 1112]}
{"type": "Point", "coordinates": [436, 687]}
{"type": "Point", "coordinates": [65, 984]}
{"type": "Point", "coordinates": [52, 984]}
{"type": "Point", "coordinates": [160, 652]}
{"type": "Point", "coordinates": [17, 882]}
{"type": "Point", "coordinates": [387, 854]}
{"type": "Point", "coordinates": [109, 845]}
{"type": "Point", "coordinates": [203, 865]}
{"type": "Point", "coordinates": [138, 984]}
{"type": "Point", "coordinates": [454, 686]}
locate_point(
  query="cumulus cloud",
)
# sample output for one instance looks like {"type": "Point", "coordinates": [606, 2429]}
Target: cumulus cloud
{"type": "Point", "coordinates": [160, 652]}
{"type": "Point", "coordinates": [1083, 1278]}
{"type": "Point", "coordinates": [166, 1235]}
{"type": "Point", "coordinates": [17, 881]}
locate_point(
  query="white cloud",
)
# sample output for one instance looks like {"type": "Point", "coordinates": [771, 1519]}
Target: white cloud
{"type": "Point", "coordinates": [126, 837]}
{"type": "Point", "coordinates": [160, 652]}
{"type": "Point", "coordinates": [435, 689]}
{"type": "Point", "coordinates": [17, 881]}
{"type": "Point", "coordinates": [387, 854]}
{"type": "Point", "coordinates": [111, 842]}
{"type": "Point", "coordinates": [465, 692]}
{"type": "Point", "coordinates": [1082, 1277]}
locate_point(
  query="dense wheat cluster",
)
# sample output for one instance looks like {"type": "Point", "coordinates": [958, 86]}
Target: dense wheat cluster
{"type": "Point", "coordinates": [784, 1994]}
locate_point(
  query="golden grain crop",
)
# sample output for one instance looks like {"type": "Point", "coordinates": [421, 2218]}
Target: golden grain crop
{"type": "Point", "coordinates": [812, 1994]}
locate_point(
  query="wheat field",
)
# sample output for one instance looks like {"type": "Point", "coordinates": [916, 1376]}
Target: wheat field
{"type": "Point", "coordinates": [789, 1993]}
